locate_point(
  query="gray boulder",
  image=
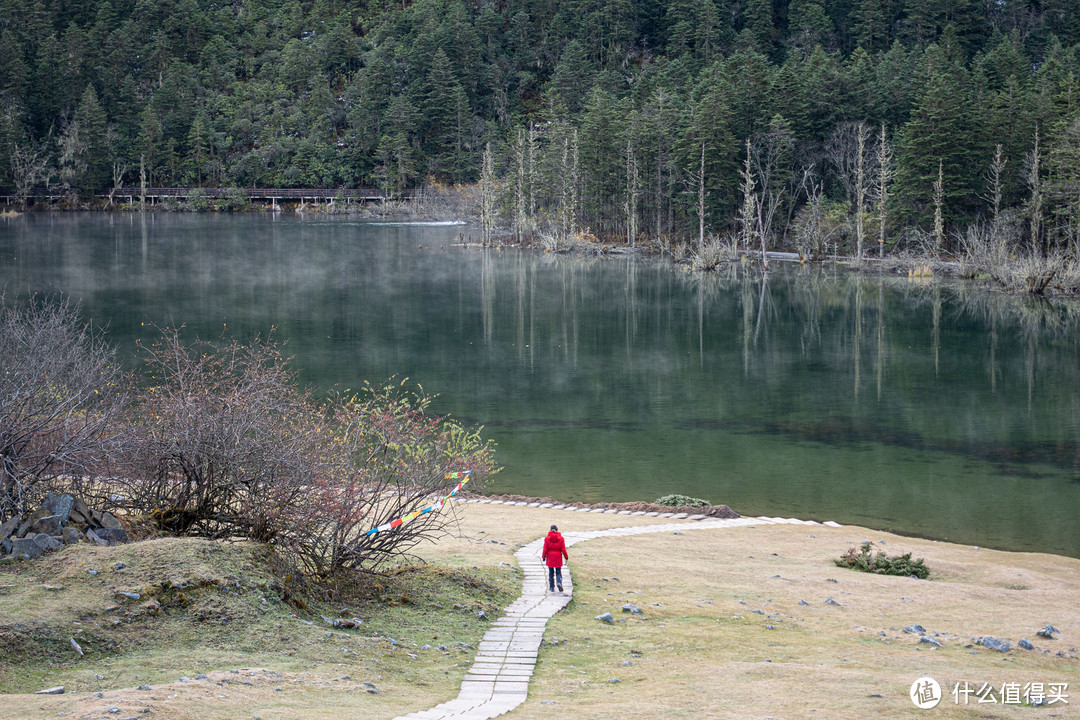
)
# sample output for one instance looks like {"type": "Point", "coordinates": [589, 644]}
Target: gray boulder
{"type": "Point", "coordinates": [58, 690]}
{"type": "Point", "coordinates": [1047, 631]}
{"type": "Point", "coordinates": [92, 536]}
{"type": "Point", "coordinates": [915, 629]}
{"type": "Point", "coordinates": [9, 526]}
{"type": "Point", "coordinates": [930, 641]}
{"type": "Point", "coordinates": [25, 546]}
{"type": "Point", "coordinates": [606, 617]}
{"type": "Point", "coordinates": [109, 521]}
{"type": "Point", "coordinates": [632, 609]}
{"type": "Point", "coordinates": [5, 545]}
{"type": "Point", "coordinates": [47, 542]}
{"type": "Point", "coordinates": [1025, 644]}
{"type": "Point", "coordinates": [59, 505]}
{"type": "Point", "coordinates": [71, 535]}
{"type": "Point", "coordinates": [79, 512]}
{"type": "Point", "coordinates": [50, 525]}
{"type": "Point", "coordinates": [112, 536]}
{"type": "Point", "coordinates": [994, 644]}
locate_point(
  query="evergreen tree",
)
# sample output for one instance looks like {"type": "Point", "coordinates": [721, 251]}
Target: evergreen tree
{"type": "Point", "coordinates": [943, 132]}
{"type": "Point", "coordinates": [97, 163]}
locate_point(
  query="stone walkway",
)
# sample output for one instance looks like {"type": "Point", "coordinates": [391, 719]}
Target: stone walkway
{"type": "Point", "coordinates": [498, 680]}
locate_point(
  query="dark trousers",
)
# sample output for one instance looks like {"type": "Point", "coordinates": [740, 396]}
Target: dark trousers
{"type": "Point", "coordinates": [554, 577]}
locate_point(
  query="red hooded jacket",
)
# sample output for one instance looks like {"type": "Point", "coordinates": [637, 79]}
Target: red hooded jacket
{"type": "Point", "coordinates": [554, 549]}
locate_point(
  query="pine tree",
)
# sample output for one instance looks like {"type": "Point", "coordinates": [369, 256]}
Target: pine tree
{"type": "Point", "coordinates": [943, 132]}
{"type": "Point", "coordinates": [91, 120]}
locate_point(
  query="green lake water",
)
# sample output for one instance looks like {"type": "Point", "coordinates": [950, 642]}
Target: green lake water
{"type": "Point", "coordinates": [943, 412]}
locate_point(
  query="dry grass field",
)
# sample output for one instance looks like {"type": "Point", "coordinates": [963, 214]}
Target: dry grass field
{"type": "Point", "coordinates": [735, 624]}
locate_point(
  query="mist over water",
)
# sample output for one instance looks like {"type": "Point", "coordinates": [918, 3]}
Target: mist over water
{"type": "Point", "coordinates": [943, 412]}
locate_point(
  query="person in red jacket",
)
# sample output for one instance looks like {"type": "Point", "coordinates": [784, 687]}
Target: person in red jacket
{"type": "Point", "coordinates": [553, 553]}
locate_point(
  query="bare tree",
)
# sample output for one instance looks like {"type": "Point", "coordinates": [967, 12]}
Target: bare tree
{"type": "Point", "coordinates": [633, 194]}
{"type": "Point", "coordinates": [488, 197]}
{"type": "Point", "coordinates": [72, 152]}
{"type": "Point", "coordinates": [846, 151]}
{"type": "Point", "coordinates": [884, 177]}
{"type": "Point", "coordinates": [939, 209]}
{"type": "Point", "coordinates": [61, 397]}
{"type": "Point", "coordinates": [749, 207]}
{"type": "Point", "coordinates": [770, 157]}
{"type": "Point", "coordinates": [996, 179]}
{"type": "Point", "coordinates": [1036, 202]}
{"type": "Point", "coordinates": [29, 166]}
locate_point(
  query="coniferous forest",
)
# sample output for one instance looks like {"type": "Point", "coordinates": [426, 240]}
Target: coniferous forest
{"type": "Point", "coordinates": [855, 125]}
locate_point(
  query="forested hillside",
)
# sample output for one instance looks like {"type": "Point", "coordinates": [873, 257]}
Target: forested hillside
{"type": "Point", "coordinates": [634, 118]}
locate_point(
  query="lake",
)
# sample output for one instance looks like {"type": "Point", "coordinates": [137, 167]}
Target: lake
{"type": "Point", "coordinates": [939, 411]}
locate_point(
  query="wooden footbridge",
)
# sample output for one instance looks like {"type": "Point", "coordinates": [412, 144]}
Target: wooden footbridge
{"type": "Point", "coordinates": [269, 196]}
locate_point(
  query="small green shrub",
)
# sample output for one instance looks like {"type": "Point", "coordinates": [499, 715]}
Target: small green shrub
{"type": "Point", "coordinates": [862, 560]}
{"type": "Point", "coordinates": [682, 501]}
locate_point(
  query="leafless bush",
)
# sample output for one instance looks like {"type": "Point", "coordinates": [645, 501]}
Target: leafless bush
{"type": "Point", "coordinates": [225, 442]}
{"type": "Point", "coordinates": [986, 247]}
{"type": "Point", "coordinates": [715, 252]}
{"type": "Point", "coordinates": [389, 459]}
{"type": "Point", "coordinates": [1032, 274]}
{"type": "Point", "coordinates": [61, 395]}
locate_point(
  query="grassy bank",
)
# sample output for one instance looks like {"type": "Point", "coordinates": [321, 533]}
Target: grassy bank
{"type": "Point", "coordinates": [723, 632]}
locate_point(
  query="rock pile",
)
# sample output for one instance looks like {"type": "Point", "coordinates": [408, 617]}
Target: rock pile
{"type": "Point", "coordinates": [61, 520]}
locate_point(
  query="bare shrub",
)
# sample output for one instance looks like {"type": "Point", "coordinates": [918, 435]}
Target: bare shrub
{"type": "Point", "coordinates": [716, 251]}
{"type": "Point", "coordinates": [229, 445]}
{"type": "Point", "coordinates": [389, 459]}
{"type": "Point", "coordinates": [61, 395]}
{"type": "Point", "coordinates": [225, 440]}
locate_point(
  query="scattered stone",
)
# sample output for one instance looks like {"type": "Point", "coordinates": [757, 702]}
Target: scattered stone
{"type": "Point", "coordinates": [58, 690]}
{"type": "Point", "coordinates": [92, 572]}
{"type": "Point", "coordinates": [994, 644]}
{"type": "Point", "coordinates": [915, 629]}
{"type": "Point", "coordinates": [803, 602]}
{"type": "Point", "coordinates": [632, 609]}
{"type": "Point", "coordinates": [117, 567]}
{"type": "Point", "coordinates": [830, 601]}
{"type": "Point", "coordinates": [53, 588]}
{"type": "Point", "coordinates": [480, 615]}
{"type": "Point", "coordinates": [1025, 644]}
{"type": "Point", "coordinates": [114, 709]}
{"type": "Point", "coordinates": [613, 680]}
{"type": "Point", "coordinates": [200, 676]}
{"type": "Point", "coordinates": [1047, 631]}
{"type": "Point", "coordinates": [930, 641]}
{"type": "Point", "coordinates": [130, 595]}
{"type": "Point", "coordinates": [144, 687]}
{"type": "Point", "coordinates": [832, 580]}
{"type": "Point", "coordinates": [75, 647]}
{"type": "Point", "coordinates": [606, 617]}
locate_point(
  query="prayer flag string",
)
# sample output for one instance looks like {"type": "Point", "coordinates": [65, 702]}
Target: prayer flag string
{"type": "Point", "coordinates": [464, 474]}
